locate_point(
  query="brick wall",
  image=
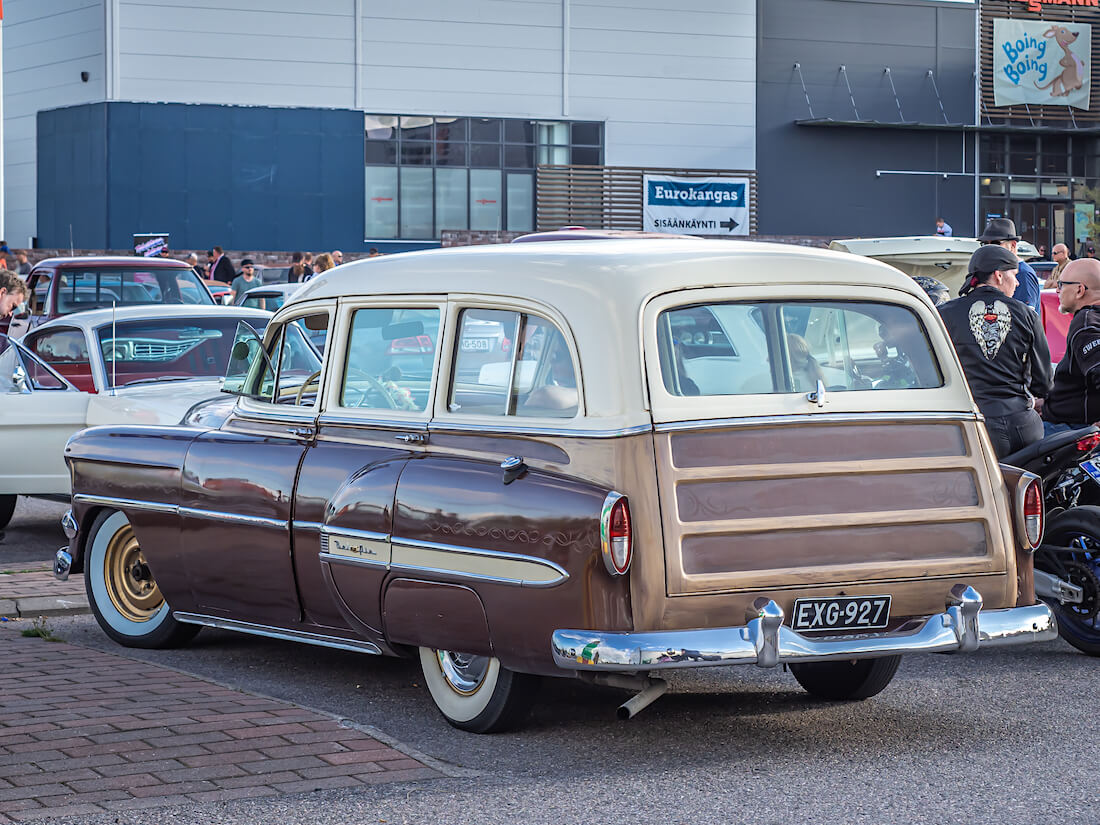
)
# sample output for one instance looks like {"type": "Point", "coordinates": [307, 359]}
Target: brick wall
{"type": "Point", "coordinates": [262, 258]}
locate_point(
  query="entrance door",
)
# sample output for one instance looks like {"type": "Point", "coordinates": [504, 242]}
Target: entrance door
{"type": "Point", "coordinates": [1043, 223]}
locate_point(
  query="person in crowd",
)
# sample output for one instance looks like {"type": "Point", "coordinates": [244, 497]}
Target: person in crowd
{"type": "Point", "coordinates": [1088, 250]}
{"type": "Point", "coordinates": [1060, 254]}
{"type": "Point", "coordinates": [373, 252]}
{"type": "Point", "coordinates": [246, 280]}
{"type": "Point", "coordinates": [323, 263]}
{"type": "Point", "coordinates": [193, 262]}
{"type": "Point", "coordinates": [1074, 401]}
{"type": "Point", "coordinates": [1002, 231]}
{"type": "Point", "coordinates": [221, 268]}
{"type": "Point", "coordinates": [298, 270]}
{"type": "Point", "coordinates": [307, 262]}
{"type": "Point", "coordinates": [943, 228]}
{"type": "Point", "coordinates": [337, 257]}
{"type": "Point", "coordinates": [22, 265]}
{"type": "Point", "coordinates": [13, 292]}
{"type": "Point", "coordinates": [1002, 349]}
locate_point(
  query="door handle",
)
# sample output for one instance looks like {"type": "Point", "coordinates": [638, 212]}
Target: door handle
{"type": "Point", "coordinates": [301, 432]}
{"type": "Point", "coordinates": [412, 438]}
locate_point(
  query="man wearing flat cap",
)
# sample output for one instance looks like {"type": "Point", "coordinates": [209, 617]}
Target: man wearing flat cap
{"type": "Point", "coordinates": [1002, 231]}
{"type": "Point", "coordinates": [1002, 349]}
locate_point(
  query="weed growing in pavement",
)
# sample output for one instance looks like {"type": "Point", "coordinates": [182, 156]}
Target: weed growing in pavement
{"type": "Point", "coordinates": [40, 627]}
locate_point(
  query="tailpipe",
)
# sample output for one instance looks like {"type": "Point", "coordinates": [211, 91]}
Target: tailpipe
{"type": "Point", "coordinates": [654, 690]}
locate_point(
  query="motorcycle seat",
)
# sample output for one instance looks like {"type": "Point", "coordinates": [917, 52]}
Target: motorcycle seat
{"type": "Point", "coordinates": [1021, 458]}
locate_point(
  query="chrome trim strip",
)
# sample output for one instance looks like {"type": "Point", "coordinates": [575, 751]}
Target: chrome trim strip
{"type": "Point", "coordinates": [233, 518]}
{"type": "Point", "coordinates": [306, 525]}
{"type": "Point", "coordinates": [766, 642]}
{"type": "Point", "coordinates": [138, 504]}
{"type": "Point", "coordinates": [368, 535]}
{"type": "Point", "coordinates": [449, 427]}
{"type": "Point", "coordinates": [362, 560]}
{"type": "Point", "coordinates": [495, 555]}
{"type": "Point", "coordinates": [275, 418]}
{"type": "Point", "coordinates": [277, 632]}
{"type": "Point", "coordinates": [809, 418]}
{"type": "Point", "coordinates": [406, 424]}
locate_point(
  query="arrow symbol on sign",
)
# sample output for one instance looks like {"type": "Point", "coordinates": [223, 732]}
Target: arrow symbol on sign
{"type": "Point", "coordinates": [484, 201]}
{"type": "Point", "coordinates": [731, 224]}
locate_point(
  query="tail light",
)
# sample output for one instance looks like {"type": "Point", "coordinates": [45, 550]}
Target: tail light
{"type": "Point", "coordinates": [616, 539]}
{"type": "Point", "coordinates": [1088, 443]}
{"type": "Point", "coordinates": [1031, 509]}
{"type": "Point", "coordinates": [417, 345]}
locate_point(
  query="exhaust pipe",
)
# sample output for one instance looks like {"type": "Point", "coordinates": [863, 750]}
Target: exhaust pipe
{"type": "Point", "coordinates": [653, 691]}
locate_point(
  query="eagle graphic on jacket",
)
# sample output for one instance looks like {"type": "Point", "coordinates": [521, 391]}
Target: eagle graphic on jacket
{"type": "Point", "coordinates": [990, 321]}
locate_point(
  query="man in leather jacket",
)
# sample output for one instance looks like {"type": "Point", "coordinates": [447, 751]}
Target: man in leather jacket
{"type": "Point", "coordinates": [1002, 348]}
{"type": "Point", "coordinates": [1075, 397]}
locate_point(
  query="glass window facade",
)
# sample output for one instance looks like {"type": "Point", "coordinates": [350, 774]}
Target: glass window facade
{"type": "Point", "coordinates": [425, 174]}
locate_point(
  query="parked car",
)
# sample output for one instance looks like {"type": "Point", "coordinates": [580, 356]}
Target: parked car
{"type": "Point", "coordinates": [134, 365]}
{"type": "Point", "coordinates": [221, 292]}
{"type": "Point", "coordinates": [270, 297]}
{"type": "Point", "coordinates": [808, 484]}
{"type": "Point", "coordinates": [60, 286]}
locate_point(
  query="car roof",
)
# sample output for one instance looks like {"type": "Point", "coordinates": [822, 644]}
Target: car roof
{"type": "Point", "coordinates": [127, 261]}
{"type": "Point", "coordinates": [94, 318]}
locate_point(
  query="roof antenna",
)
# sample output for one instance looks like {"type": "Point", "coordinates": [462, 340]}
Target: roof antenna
{"type": "Point", "coordinates": [114, 349]}
{"type": "Point", "coordinates": [71, 253]}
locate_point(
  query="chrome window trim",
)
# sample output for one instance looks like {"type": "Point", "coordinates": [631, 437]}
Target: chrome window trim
{"type": "Point", "coordinates": [234, 518]}
{"type": "Point", "coordinates": [479, 553]}
{"type": "Point", "coordinates": [449, 427]}
{"type": "Point", "coordinates": [809, 418]}
{"type": "Point", "coordinates": [277, 632]}
{"type": "Point", "coordinates": [418, 424]}
{"type": "Point", "coordinates": [138, 504]}
{"type": "Point", "coordinates": [273, 417]}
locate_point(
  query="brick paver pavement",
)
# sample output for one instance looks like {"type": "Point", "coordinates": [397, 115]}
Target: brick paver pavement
{"type": "Point", "coordinates": [82, 731]}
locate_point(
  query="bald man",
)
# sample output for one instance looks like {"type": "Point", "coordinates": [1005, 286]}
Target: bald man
{"type": "Point", "coordinates": [1075, 399]}
{"type": "Point", "coordinates": [1060, 254]}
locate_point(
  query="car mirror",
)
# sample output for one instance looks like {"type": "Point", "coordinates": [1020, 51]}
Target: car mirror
{"type": "Point", "coordinates": [19, 380]}
{"type": "Point", "coordinates": [408, 329]}
{"type": "Point", "coordinates": [247, 361]}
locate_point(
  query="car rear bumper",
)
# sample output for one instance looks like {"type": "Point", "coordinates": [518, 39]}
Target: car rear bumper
{"type": "Point", "coordinates": [766, 642]}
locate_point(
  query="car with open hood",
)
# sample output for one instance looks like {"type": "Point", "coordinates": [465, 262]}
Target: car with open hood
{"type": "Point", "coordinates": [608, 459]}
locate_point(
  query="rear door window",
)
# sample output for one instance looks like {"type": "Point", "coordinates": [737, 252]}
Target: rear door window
{"type": "Point", "coordinates": [391, 358]}
{"type": "Point", "coordinates": [777, 347]}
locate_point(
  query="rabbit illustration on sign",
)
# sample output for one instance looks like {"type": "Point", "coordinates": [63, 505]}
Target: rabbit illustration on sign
{"type": "Point", "coordinates": [1072, 76]}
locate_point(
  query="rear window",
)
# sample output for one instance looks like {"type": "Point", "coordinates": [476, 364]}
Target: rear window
{"type": "Point", "coordinates": [96, 288]}
{"type": "Point", "coordinates": [787, 347]}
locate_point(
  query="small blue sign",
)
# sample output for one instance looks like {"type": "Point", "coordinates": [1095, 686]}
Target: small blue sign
{"type": "Point", "coordinates": [705, 193]}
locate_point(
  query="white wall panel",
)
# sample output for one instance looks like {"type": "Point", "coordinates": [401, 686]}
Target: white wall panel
{"type": "Point", "coordinates": [47, 44]}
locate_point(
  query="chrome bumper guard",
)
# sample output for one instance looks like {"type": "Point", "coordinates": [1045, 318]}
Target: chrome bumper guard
{"type": "Point", "coordinates": [766, 642]}
{"type": "Point", "coordinates": [62, 563]}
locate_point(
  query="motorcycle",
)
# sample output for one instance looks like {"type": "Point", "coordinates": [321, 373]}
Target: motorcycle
{"type": "Point", "coordinates": [1067, 563]}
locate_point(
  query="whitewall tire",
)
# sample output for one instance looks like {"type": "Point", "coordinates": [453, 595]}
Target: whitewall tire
{"type": "Point", "coordinates": [475, 693]}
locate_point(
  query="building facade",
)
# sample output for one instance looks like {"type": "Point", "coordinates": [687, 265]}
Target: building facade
{"type": "Point", "coordinates": [355, 123]}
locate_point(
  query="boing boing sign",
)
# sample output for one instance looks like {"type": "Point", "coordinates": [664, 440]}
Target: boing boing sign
{"type": "Point", "coordinates": [695, 206]}
{"type": "Point", "coordinates": [1035, 62]}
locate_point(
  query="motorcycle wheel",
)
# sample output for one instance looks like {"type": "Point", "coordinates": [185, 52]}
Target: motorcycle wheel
{"type": "Point", "coordinates": [1079, 527]}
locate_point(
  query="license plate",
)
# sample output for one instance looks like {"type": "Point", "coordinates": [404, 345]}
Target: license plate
{"type": "Point", "coordinates": [1090, 467]}
{"type": "Point", "coordinates": [864, 613]}
{"type": "Point", "coordinates": [476, 344]}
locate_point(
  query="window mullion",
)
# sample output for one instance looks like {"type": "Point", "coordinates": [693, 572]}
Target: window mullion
{"type": "Point", "coordinates": [510, 399]}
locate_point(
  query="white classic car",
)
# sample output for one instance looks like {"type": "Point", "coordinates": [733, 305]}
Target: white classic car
{"type": "Point", "coordinates": [133, 365]}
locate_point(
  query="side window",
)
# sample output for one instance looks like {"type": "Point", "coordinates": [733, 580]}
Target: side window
{"type": "Point", "coordinates": [512, 363]}
{"type": "Point", "coordinates": [66, 351]}
{"type": "Point", "coordinates": [287, 372]}
{"type": "Point", "coordinates": [390, 357]}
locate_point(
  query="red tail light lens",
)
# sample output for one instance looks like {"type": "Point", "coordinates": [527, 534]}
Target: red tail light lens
{"type": "Point", "coordinates": [1033, 512]}
{"type": "Point", "coordinates": [615, 534]}
{"type": "Point", "coordinates": [419, 345]}
{"type": "Point", "coordinates": [1088, 443]}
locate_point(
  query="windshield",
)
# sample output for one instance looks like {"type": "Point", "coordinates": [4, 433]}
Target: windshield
{"type": "Point", "coordinates": [98, 287]}
{"type": "Point", "coordinates": [143, 351]}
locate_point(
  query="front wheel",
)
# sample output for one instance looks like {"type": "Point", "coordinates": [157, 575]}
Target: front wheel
{"type": "Point", "coordinates": [7, 509]}
{"type": "Point", "coordinates": [122, 591]}
{"type": "Point", "coordinates": [475, 693]}
{"type": "Point", "coordinates": [1078, 528]}
{"type": "Point", "coordinates": [850, 680]}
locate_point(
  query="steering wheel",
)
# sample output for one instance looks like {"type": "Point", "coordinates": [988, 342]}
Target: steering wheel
{"type": "Point", "coordinates": [313, 376]}
{"type": "Point", "coordinates": [375, 386]}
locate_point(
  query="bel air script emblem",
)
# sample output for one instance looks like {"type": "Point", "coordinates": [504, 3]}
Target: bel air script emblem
{"type": "Point", "coordinates": [350, 547]}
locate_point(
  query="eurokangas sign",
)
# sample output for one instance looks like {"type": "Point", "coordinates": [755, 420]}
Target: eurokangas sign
{"type": "Point", "coordinates": [1035, 62]}
{"type": "Point", "coordinates": [696, 206]}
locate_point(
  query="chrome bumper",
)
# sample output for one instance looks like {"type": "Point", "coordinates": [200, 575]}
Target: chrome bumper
{"type": "Point", "coordinates": [766, 642]}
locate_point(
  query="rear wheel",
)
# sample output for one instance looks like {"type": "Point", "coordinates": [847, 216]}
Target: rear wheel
{"type": "Point", "coordinates": [7, 510]}
{"type": "Point", "coordinates": [848, 680]}
{"type": "Point", "coordinates": [475, 693]}
{"type": "Point", "coordinates": [122, 591]}
{"type": "Point", "coordinates": [1079, 528]}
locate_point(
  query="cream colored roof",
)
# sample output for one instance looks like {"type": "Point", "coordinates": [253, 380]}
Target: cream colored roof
{"type": "Point", "coordinates": [601, 287]}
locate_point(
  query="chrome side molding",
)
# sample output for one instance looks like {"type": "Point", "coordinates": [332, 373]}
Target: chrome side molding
{"type": "Point", "coordinates": [286, 634]}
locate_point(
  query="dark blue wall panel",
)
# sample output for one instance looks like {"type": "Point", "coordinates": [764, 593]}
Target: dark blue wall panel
{"type": "Point", "coordinates": [239, 177]}
{"type": "Point", "coordinates": [72, 176]}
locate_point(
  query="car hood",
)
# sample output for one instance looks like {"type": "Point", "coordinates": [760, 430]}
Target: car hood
{"type": "Point", "coordinates": [163, 403]}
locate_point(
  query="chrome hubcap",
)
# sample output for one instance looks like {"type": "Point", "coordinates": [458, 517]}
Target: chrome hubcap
{"type": "Point", "coordinates": [464, 672]}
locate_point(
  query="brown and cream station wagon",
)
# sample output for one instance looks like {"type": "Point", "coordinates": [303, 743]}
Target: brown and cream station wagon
{"type": "Point", "coordinates": [606, 460]}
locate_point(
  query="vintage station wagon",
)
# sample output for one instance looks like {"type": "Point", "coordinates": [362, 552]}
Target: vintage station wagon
{"type": "Point", "coordinates": [604, 459]}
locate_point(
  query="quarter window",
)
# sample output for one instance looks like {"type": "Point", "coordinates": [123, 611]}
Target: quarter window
{"type": "Point", "coordinates": [512, 363]}
{"type": "Point", "coordinates": [390, 358]}
{"type": "Point", "coordinates": [773, 347]}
